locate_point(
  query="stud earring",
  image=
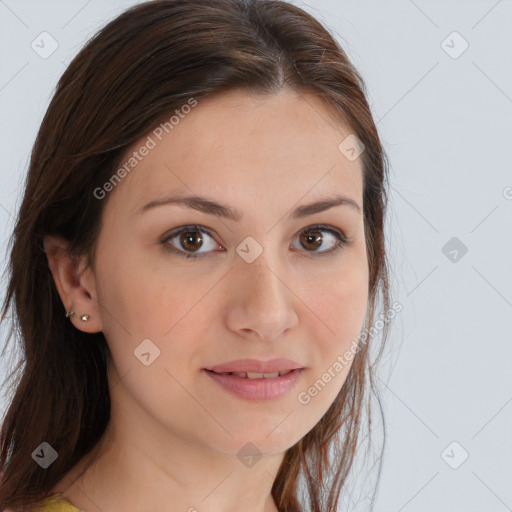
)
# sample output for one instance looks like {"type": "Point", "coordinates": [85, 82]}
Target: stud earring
{"type": "Point", "coordinates": [83, 318]}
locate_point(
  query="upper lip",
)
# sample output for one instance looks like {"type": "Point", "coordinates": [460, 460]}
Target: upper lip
{"type": "Point", "coordinates": [256, 366]}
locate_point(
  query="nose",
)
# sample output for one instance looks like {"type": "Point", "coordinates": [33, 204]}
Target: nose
{"type": "Point", "coordinates": [262, 303]}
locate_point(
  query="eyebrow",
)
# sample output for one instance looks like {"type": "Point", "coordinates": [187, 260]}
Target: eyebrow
{"type": "Point", "coordinates": [210, 207]}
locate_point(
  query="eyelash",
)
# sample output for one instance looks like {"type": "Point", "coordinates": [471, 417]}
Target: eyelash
{"type": "Point", "coordinates": [342, 240]}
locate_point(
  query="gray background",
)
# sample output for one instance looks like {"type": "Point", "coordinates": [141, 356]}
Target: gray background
{"type": "Point", "coordinates": [445, 118]}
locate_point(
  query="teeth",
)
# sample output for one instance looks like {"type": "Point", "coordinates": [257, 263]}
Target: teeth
{"type": "Point", "coordinates": [257, 375]}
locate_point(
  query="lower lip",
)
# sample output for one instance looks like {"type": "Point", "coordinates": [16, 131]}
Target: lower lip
{"type": "Point", "coordinates": [257, 389]}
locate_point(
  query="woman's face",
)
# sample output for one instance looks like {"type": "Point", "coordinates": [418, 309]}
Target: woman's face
{"type": "Point", "coordinates": [265, 285]}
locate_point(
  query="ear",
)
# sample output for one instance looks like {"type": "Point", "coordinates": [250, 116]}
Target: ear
{"type": "Point", "coordinates": [76, 287]}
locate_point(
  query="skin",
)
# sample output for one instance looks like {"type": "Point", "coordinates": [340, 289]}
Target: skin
{"type": "Point", "coordinates": [174, 434]}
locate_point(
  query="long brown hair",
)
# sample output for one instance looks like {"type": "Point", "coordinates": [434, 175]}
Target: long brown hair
{"type": "Point", "coordinates": [127, 79]}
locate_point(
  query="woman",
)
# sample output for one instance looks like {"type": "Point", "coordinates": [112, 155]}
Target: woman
{"type": "Point", "coordinates": [195, 268]}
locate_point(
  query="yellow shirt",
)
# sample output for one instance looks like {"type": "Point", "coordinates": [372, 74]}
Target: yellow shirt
{"type": "Point", "coordinates": [55, 503]}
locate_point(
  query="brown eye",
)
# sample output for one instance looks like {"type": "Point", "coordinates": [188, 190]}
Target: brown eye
{"type": "Point", "coordinates": [311, 240]}
{"type": "Point", "coordinates": [314, 238]}
{"type": "Point", "coordinates": [190, 241]}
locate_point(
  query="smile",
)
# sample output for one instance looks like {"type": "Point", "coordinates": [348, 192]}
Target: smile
{"type": "Point", "coordinates": [257, 386]}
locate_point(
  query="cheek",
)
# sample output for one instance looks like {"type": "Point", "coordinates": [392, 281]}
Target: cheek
{"type": "Point", "coordinates": [143, 300]}
{"type": "Point", "coordinates": [339, 302]}
{"type": "Point", "coordinates": [339, 311]}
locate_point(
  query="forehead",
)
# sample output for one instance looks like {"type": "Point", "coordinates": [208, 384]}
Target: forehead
{"type": "Point", "coordinates": [239, 143]}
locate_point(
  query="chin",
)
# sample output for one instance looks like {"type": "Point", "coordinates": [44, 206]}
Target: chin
{"type": "Point", "coordinates": [260, 439]}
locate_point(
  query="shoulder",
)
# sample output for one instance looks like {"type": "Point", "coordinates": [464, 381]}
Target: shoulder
{"type": "Point", "coordinates": [53, 503]}
{"type": "Point", "coordinates": [56, 503]}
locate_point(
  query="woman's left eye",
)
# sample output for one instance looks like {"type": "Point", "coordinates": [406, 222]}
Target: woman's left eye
{"type": "Point", "coordinates": [313, 237]}
{"type": "Point", "coordinates": [190, 238]}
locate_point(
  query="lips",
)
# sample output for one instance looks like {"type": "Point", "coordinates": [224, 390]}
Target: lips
{"type": "Point", "coordinates": [253, 386]}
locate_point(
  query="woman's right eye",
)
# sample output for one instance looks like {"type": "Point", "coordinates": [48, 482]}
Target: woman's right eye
{"type": "Point", "coordinates": [189, 238]}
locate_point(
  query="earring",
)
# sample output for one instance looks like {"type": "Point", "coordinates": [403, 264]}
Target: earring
{"type": "Point", "coordinates": [83, 318]}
